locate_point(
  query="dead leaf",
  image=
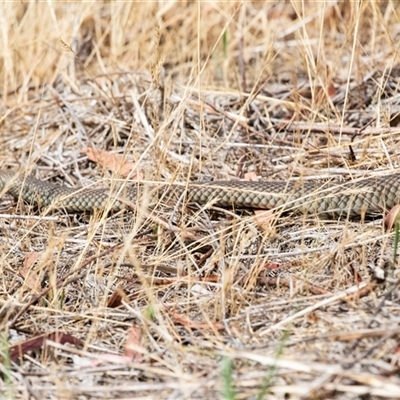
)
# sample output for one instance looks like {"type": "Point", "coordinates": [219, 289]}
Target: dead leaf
{"type": "Point", "coordinates": [264, 219]}
{"type": "Point", "coordinates": [331, 90]}
{"type": "Point", "coordinates": [115, 300]}
{"type": "Point", "coordinates": [113, 162]}
{"type": "Point", "coordinates": [392, 217]}
{"type": "Point", "coordinates": [180, 319]}
{"type": "Point", "coordinates": [251, 176]}
{"type": "Point", "coordinates": [273, 266]}
{"type": "Point", "coordinates": [31, 278]}
{"type": "Point", "coordinates": [19, 349]}
{"type": "Point", "coordinates": [133, 348]}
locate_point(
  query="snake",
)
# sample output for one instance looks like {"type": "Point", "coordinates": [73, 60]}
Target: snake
{"type": "Point", "coordinates": [358, 198]}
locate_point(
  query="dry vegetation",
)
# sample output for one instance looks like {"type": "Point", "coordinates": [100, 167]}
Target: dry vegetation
{"type": "Point", "coordinates": [187, 301]}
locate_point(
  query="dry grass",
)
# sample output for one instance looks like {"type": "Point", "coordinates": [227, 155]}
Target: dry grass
{"type": "Point", "coordinates": [205, 303]}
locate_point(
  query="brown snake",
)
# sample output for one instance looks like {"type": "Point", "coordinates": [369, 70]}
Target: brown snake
{"type": "Point", "coordinates": [358, 198]}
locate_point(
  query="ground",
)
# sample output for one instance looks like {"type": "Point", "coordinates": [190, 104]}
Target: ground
{"type": "Point", "coordinates": [176, 300]}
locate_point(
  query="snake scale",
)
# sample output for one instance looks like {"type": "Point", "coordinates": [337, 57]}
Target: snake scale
{"type": "Point", "coordinates": [358, 198]}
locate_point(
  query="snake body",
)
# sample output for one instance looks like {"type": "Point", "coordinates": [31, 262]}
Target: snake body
{"type": "Point", "coordinates": [359, 198]}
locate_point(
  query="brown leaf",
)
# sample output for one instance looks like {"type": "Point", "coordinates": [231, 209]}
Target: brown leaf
{"type": "Point", "coordinates": [180, 319]}
{"type": "Point", "coordinates": [251, 176]}
{"type": "Point", "coordinates": [264, 218]}
{"type": "Point", "coordinates": [18, 350]}
{"type": "Point", "coordinates": [113, 162]}
{"type": "Point", "coordinates": [392, 217]}
{"type": "Point", "coordinates": [32, 279]}
{"type": "Point", "coordinates": [133, 348]}
{"type": "Point", "coordinates": [115, 300]}
{"type": "Point", "coordinates": [331, 90]}
{"type": "Point", "coordinates": [272, 266]}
